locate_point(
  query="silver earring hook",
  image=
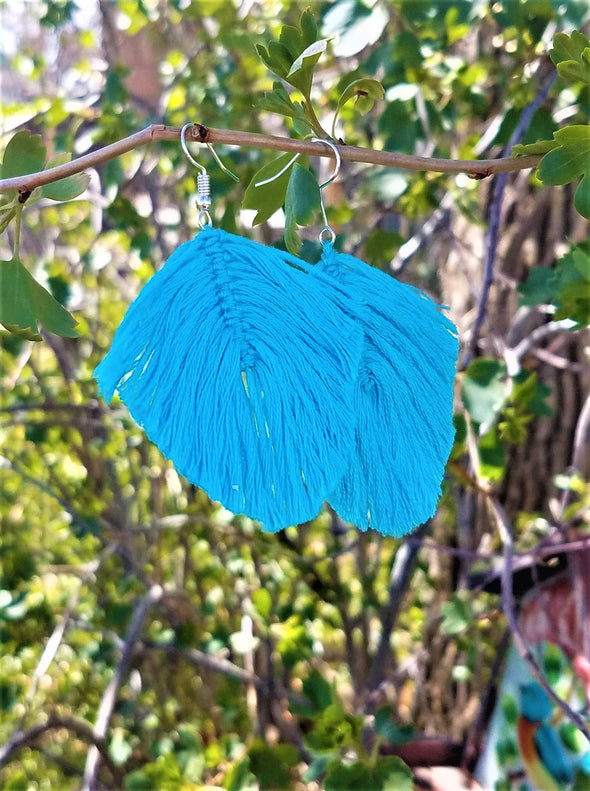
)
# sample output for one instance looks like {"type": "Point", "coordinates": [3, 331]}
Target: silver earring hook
{"type": "Point", "coordinates": [327, 229]}
{"type": "Point", "coordinates": [198, 165]}
{"type": "Point", "coordinates": [280, 173]}
{"type": "Point", "coordinates": [203, 182]}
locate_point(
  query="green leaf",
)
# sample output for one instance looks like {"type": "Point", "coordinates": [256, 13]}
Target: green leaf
{"type": "Point", "coordinates": [492, 456]}
{"type": "Point", "coordinates": [25, 153]}
{"type": "Point", "coordinates": [268, 198]}
{"type": "Point", "coordinates": [300, 74]}
{"type": "Point", "coordinates": [531, 149]}
{"type": "Point", "coordinates": [279, 101]}
{"type": "Point", "coordinates": [291, 38]}
{"type": "Point", "coordinates": [309, 28]}
{"type": "Point", "coordinates": [24, 302]}
{"type": "Point", "coordinates": [316, 768]}
{"type": "Point", "coordinates": [317, 690]}
{"type": "Point", "coordinates": [309, 57]}
{"type": "Point", "coordinates": [262, 601]}
{"type": "Point", "coordinates": [570, 159]}
{"type": "Point", "coordinates": [484, 391]}
{"type": "Point", "coordinates": [538, 289]}
{"type": "Point", "coordinates": [387, 774]}
{"type": "Point", "coordinates": [389, 730]}
{"type": "Point", "coordinates": [572, 71]}
{"type": "Point", "coordinates": [568, 47]}
{"type": "Point", "coordinates": [457, 616]}
{"type": "Point", "coordinates": [240, 778]}
{"type": "Point", "coordinates": [582, 196]}
{"type": "Point", "coordinates": [271, 765]}
{"type": "Point", "coordinates": [366, 91]}
{"type": "Point", "coordinates": [67, 188]}
{"type": "Point", "coordinates": [302, 204]}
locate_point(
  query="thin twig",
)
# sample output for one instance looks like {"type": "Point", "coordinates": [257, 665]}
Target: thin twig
{"type": "Point", "coordinates": [508, 606]}
{"type": "Point", "coordinates": [495, 215]}
{"type": "Point", "coordinates": [401, 571]}
{"type": "Point", "coordinates": [81, 728]}
{"type": "Point", "coordinates": [109, 698]}
{"type": "Point", "coordinates": [202, 134]}
{"type": "Point", "coordinates": [514, 355]}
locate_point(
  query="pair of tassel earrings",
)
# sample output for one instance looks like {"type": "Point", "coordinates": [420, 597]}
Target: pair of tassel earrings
{"type": "Point", "coordinates": [276, 385]}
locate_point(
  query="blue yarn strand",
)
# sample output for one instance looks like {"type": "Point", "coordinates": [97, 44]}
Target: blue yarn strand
{"type": "Point", "coordinates": [403, 399]}
{"type": "Point", "coordinates": [242, 373]}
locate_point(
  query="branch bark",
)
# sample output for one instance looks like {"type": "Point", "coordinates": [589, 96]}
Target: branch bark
{"type": "Point", "coordinates": [109, 698]}
{"type": "Point", "coordinates": [508, 606]}
{"type": "Point", "coordinates": [478, 169]}
{"type": "Point", "coordinates": [81, 728]}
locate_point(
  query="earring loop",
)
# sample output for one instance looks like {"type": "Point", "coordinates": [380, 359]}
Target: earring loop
{"type": "Point", "coordinates": [327, 233]}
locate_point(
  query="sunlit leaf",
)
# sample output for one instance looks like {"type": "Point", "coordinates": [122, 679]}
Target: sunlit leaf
{"type": "Point", "coordinates": [25, 153]}
{"type": "Point", "coordinates": [268, 198]}
{"type": "Point", "coordinates": [24, 302]}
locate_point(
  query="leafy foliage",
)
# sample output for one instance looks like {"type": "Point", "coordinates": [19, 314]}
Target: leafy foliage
{"type": "Point", "coordinates": [93, 517]}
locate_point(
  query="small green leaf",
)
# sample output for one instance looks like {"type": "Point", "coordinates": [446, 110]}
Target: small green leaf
{"type": "Point", "coordinates": [24, 302]}
{"type": "Point", "coordinates": [291, 38]}
{"type": "Point", "coordinates": [66, 189]}
{"type": "Point", "coordinates": [568, 47]}
{"type": "Point", "coordinates": [531, 149]}
{"type": "Point", "coordinates": [582, 196]}
{"type": "Point", "coordinates": [309, 28]}
{"type": "Point", "coordinates": [572, 71]}
{"type": "Point", "coordinates": [492, 456]}
{"type": "Point", "coordinates": [267, 198]}
{"type": "Point", "coordinates": [387, 774]}
{"type": "Point", "coordinates": [364, 87]}
{"type": "Point", "coordinates": [366, 91]}
{"type": "Point", "coordinates": [25, 153]}
{"type": "Point", "coordinates": [457, 616]}
{"type": "Point", "coordinates": [302, 204]}
{"type": "Point", "coordinates": [317, 690]}
{"type": "Point", "coordinates": [262, 601]}
{"type": "Point", "coordinates": [538, 289]}
{"type": "Point", "coordinates": [279, 58]}
{"type": "Point", "coordinates": [484, 391]}
{"type": "Point", "coordinates": [309, 57]}
{"type": "Point", "coordinates": [581, 261]}
{"type": "Point", "coordinates": [570, 159]}
{"type": "Point", "coordinates": [389, 730]}
{"type": "Point", "coordinates": [279, 101]}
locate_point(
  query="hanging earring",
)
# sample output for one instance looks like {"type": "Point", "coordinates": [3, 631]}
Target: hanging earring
{"type": "Point", "coordinates": [237, 369]}
{"type": "Point", "coordinates": [403, 397]}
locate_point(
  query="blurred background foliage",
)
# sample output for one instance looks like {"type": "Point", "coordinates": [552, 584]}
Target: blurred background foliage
{"type": "Point", "coordinates": [265, 659]}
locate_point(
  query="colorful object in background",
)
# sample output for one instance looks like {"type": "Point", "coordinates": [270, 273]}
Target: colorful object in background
{"type": "Point", "coordinates": [542, 753]}
{"type": "Point", "coordinates": [556, 612]}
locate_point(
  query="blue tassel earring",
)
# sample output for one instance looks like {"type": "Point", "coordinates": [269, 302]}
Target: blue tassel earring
{"type": "Point", "coordinates": [403, 395]}
{"type": "Point", "coordinates": [241, 372]}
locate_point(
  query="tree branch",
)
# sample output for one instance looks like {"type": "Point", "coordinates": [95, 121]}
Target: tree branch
{"type": "Point", "coordinates": [109, 698]}
{"type": "Point", "coordinates": [495, 216]}
{"type": "Point", "coordinates": [401, 571]}
{"type": "Point", "coordinates": [508, 607]}
{"type": "Point", "coordinates": [81, 728]}
{"type": "Point", "coordinates": [478, 169]}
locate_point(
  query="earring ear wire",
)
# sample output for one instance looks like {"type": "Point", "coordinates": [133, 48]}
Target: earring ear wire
{"type": "Point", "coordinates": [203, 181]}
{"type": "Point", "coordinates": [327, 233]}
